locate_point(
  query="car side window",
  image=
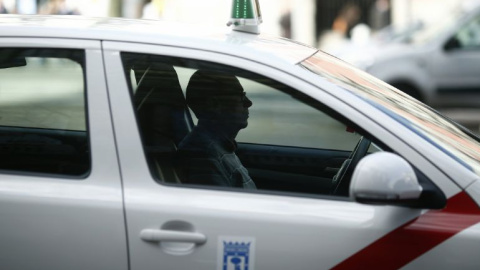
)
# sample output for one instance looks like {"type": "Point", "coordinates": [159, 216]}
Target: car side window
{"type": "Point", "coordinates": [218, 126]}
{"type": "Point", "coordinates": [282, 119]}
{"type": "Point", "coordinates": [42, 112]}
{"type": "Point", "coordinates": [469, 35]}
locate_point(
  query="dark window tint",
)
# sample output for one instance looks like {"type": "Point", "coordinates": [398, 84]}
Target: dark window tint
{"type": "Point", "coordinates": [43, 111]}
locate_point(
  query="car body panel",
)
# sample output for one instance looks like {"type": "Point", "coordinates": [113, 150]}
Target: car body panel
{"type": "Point", "coordinates": [459, 250]}
{"type": "Point", "coordinates": [458, 219]}
{"type": "Point", "coordinates": [474, 191]}
{"type": "Point", "coordinates": [453, 71]}
{"type": "Point", "coordinates": [62, 222]}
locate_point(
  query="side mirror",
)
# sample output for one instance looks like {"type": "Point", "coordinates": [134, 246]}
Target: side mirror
{"type": "Point", "coordinates": [452, 43]}
{"type": "Point", "coordinates": [385, 178]}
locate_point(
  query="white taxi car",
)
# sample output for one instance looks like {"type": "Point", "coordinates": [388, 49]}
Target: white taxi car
{"type": "Point", "coordinates": [350, 172]}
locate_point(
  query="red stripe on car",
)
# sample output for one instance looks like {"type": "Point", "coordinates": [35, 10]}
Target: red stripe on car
{"type": "Point", "coordinates": [410, 241]}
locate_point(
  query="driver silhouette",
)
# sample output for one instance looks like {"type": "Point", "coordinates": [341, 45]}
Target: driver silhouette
{"type": "Point", "coordinates": [207, 154]}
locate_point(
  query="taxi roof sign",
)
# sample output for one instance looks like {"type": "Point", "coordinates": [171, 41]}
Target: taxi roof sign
{"type": "Point", "coordinates": [246, 16]}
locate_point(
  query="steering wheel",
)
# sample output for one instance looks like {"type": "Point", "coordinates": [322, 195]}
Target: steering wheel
{"type": "Point", "coordinates": [341, 180]}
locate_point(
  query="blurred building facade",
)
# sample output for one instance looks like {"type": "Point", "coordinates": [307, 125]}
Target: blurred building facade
{"type": "Point", "coordinates": [99, 8]}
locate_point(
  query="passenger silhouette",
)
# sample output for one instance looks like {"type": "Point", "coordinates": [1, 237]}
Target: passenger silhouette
{"type": "Point", "coordinates": [207, 154]}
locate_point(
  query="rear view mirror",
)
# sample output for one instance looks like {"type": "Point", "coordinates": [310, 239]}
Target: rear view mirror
{"type": "Point", "coordinates": [386, 178]}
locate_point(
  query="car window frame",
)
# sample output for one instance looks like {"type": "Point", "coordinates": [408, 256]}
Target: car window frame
{"type": "Point", "coordinates": [291, 75]}
{"type": "Point", "coordinates": [464, 27]}
{"type": "Point", "coordinates": [55, 132]}
{"type": "Point", "coordinates": [79, 207]}
{"type": "Point", "coordinates": [95, 102]}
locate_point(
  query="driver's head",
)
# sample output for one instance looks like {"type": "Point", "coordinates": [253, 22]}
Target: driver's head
{"type": "Point", "coordinates": [218, 96]}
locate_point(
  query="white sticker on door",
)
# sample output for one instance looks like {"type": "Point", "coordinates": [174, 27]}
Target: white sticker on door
{"type": "Point", "coordinates": [236, 253]}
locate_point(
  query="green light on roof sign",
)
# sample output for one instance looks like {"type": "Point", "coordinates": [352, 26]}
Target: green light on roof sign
{"type": "Point", "coordinates": [243, 9]}
{"type": "Point", "coordinates": [246, 16]}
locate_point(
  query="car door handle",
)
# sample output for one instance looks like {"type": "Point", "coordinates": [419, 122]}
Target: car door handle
{"type": "Point", "coordinates": [153, 235]}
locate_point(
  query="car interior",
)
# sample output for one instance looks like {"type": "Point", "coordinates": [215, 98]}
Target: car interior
{"type": "Point", "coordinates": [162, 115]}
{"type": "Point", "coordinates": [164, 119]}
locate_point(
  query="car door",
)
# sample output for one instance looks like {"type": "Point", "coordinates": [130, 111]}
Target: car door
{"type": "Point", "coordinates": [172, 225]}
{"type": "Point", "coordinates": [60, 192]}
{"type": "Point", "coordinates": [454, 66]}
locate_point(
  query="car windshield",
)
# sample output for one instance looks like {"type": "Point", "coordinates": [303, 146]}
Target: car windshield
{"type": "Point", "coordinates": [446, 135]}
{"type": "Point", "coordinates": [393, 33]}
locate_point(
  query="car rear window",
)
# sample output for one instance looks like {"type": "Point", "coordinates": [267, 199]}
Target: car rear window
{"type": "Point", "coordinates": [42, 111]}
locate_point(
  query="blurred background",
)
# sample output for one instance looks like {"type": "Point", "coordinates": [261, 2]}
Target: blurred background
{"type": "Point", "coordinates": [303, 20]}
{"type": "Point", "coordinates": [378, 36]}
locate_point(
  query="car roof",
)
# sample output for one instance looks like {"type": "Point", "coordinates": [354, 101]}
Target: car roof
{"type": "Point", "coordinates": [155, 32]}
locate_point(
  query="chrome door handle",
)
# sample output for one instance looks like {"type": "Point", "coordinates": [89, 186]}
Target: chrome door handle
{"type": "Point", "coordinates": [153, 235]}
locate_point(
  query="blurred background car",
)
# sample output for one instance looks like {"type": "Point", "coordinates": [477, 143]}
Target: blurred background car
{"type": "Point", "coordinates": [401, 34]}
{"type": "Point", "coordinates": [438, 64]}
{"type": "Point", "coordinates": [363, 41]}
